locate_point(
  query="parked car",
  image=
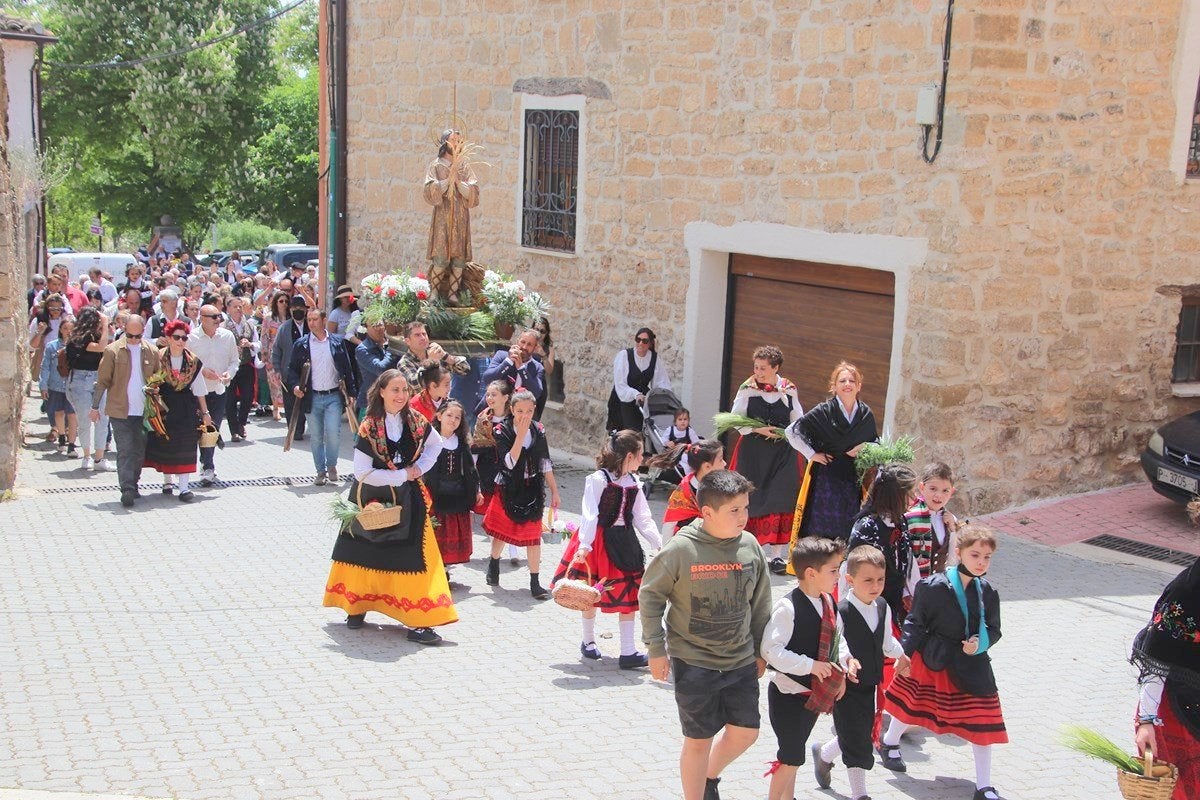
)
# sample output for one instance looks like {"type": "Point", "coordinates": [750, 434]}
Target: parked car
{"type": "Point", "coordinates": [54, 251]}
{"type": "Point", "coordinates": [284, 255]}
{"type": "Point", "coordinates": [80, 263]}
{"type": "Point", "coordinates": [1172, 459]}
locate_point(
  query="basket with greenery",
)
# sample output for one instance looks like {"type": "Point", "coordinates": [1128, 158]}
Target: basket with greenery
{"type": "Point", "coordinates": [1137, 778]}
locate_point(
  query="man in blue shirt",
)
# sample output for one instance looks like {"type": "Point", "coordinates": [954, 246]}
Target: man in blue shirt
{"type": "Point", "coordinates": [373, 359]}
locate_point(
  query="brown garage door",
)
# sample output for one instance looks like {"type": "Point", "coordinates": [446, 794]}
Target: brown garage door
{"type": "Point", "coordinates": [818, 314]}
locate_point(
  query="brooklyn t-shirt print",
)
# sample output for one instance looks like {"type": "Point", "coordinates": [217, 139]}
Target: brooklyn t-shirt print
{"type": "Point", "coordinates": [720, 600]}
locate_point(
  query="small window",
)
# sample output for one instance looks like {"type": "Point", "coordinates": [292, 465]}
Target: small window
{"type": "Point", "coordinates": [556, 390]}
{"type": "Point", "coordinates": [1187, 343]}
{"type": "Point", "coordinates": [1193, 157]}
{"type": "Point", "coordinates": [550, 180]}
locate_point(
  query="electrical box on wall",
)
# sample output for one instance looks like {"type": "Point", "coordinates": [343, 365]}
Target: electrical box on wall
{"type": "Point", "coordinates": [927, 104]}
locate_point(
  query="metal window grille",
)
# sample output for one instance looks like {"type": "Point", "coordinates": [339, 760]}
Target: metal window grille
{"type": "Point", "coordinates": [551, 179]}
{"type": "Point", "coordinates": [1193, 157]}
{"type": "Point", "coordinates": [1187, 343]}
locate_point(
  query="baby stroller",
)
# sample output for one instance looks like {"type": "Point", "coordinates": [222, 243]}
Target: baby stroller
{"type": "Point", "coordinates": [659, 409]}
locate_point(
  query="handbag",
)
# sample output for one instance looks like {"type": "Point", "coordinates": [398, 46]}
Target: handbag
{"type": "Point", "coordinates": [61, 363]}
{"type": "Point", "coordinates": [382, 523]}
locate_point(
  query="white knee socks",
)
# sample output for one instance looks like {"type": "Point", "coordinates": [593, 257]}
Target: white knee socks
{"type": "Point", "coordinates": [627, 645]}
{"type": "Point", "coordinates": [983, 765]}
{"type": "Point", "coordinates": [184, 480]}
{"type": "Point", "coordinates": [831, 751]}
{"type": "Point", "coordinates": [589, 630]}
{"type": "Point", "coordinates": [894, 732]}
{"type": "Point", "coordinates": [858, 782]}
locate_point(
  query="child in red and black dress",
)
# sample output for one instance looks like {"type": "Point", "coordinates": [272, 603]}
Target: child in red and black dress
{"type": "Point", "coordinates": [454, 485]}
{"type": "Point", "coordinates": [483, 444]}
{"type": "Point", "coordinates": [1167, 655]}
{"type": "Point", "coordinates": [950, 687]}
{"type": "Point", "coordinates": [435, 388]}
{"type": "Point", "coordinates": [615, 513]}
{"type": "Point", "coordinates": [515, 514]}
{"type": "Point", "coordinates": [682, 508]}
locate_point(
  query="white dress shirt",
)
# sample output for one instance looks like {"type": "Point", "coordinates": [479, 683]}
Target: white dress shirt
{"type": "Point", "coordinates": [133, 391]}
{"type": "Point", "coordinates": [779, 633]}
{"type": "Point", "coordinates": [870, 614]}
{"type": "Point", "coordinates": [218, 352]}
{"type": "Point", "coordinates": [626, 393]}
{"type": "Point", "coordinates": [324, 371]}
{"type": "Point", "coordinates": [643, 519]}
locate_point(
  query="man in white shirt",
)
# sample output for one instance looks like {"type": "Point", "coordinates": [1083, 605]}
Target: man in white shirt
{"type": "Point", "coordinates": [217, 350]}
{"type": "Point", "coordinates": [332, 378]}
{"type": "Point", "coordinates": [96, 280]}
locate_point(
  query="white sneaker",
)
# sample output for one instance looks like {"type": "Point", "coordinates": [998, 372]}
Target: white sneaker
{"type": "Point", "coordinates": [208, 477]}
{"type": "Point", "coordinates": [87, 463]}
{"type": "Point", "coordinates": [103, 465]}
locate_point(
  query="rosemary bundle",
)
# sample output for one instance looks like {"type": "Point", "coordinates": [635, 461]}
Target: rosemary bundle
{"type": "Point", "coordinates": [1092, 744]}
{"type": "Point", "coordinates": [885, 451]}
{"type": "Point", "coordinates": [726, 421]}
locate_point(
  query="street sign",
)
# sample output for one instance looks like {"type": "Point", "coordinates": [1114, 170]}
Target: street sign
{"type": "Point", "coordinates": [97, 230]}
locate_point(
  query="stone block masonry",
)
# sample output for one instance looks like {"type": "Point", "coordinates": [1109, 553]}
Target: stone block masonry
{"type": "Point", "coordinates": [1037, 350]}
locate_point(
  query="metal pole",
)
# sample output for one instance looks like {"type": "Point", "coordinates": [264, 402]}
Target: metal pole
{"type": "Point", "coordinates": [100, 236]}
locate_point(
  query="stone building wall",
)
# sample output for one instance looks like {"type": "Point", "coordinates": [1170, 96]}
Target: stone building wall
{"type": "Point", "coordinates": [13, 282]}
{"type": "Point", "coordinates": [1038, 343]}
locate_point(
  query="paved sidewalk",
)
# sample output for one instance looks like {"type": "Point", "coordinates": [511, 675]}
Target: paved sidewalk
{"type": "Point", "coordinates": [181, 651]}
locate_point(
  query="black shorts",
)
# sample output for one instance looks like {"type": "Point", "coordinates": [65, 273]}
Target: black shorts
{"type": "Point", "coordinates": [792, 723]}
{"type": "Point", "coordinates": [709, 699]}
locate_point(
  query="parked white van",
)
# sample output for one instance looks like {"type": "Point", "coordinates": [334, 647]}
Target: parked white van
{"type": "Point", "coordinates": [80, 263]}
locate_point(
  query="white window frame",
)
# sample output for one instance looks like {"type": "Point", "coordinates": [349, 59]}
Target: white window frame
{"type": "Point", "coordinates": [568, 102]}
{"type": "Point", "coordinates": [1186, 85]}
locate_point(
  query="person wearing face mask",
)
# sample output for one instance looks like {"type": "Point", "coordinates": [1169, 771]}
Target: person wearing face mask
{"type": "Point", "coordinates": [281, 356]}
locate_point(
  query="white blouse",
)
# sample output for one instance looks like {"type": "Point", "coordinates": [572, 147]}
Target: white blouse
{"type": "Point", "coordinates": [742, 401]}
{"type": "Point", "coordinates": [510, 462]}
{"type": "Point", "coordinates": [643, 519]}
{"type": "Point", "coordinates": [625, 392]}
{"type": "Point", "coordinates": [364, 465]}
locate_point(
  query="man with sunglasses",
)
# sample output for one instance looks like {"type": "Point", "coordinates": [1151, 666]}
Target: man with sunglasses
{"type": "Point", "coordinates": [125, 367]}
{"type": "Point", "coordinates": [217, 349]}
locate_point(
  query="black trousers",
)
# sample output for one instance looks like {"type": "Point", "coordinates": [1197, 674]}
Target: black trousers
{"type": "Point", "coordinates": [241, 398]}
{"type": "Point", "coordinates": [853, 719]}
{"type": "Point", "coordinates": [792, 723]}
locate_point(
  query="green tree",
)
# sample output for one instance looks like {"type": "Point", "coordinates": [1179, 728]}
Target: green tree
{"type": "Point", "coordinates": [167, 136]}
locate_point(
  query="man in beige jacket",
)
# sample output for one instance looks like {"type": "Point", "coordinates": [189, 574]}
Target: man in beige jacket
{"type": "Point", "coordinates": [126, 401]}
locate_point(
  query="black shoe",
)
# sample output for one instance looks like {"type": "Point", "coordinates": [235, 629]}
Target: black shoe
{"type": "Point", "coordinates": [299, 437]}
{"type": "Point", "coordinates": [635, 661]}
{"type": "Point", "coordinates": [137, 495]}
{"type": "Point", "coordinates": [187, 497]}
{"type": "Point", "coordinates": [589, 650]}
{"type": "Point", "coordinates": [779, 567]}
{"type": "Point", "coordinates": [889, 756]}
{"type": "Point", "coordinates": [513, 562]}
{"type": "Point", "coordinates": [168, 489]}
{"type": "Point", "coordinates": [536, 589]}
{"type": "Point", "coordinates": [493, 572]}
{"type": "Point", "coordinates": [821, 768]}
{"type": "Point", "coordinates": [987, 793]}
{"type": "Point", "coordinates": [710, 789]}
{"type": "Point", "coordinates": [424, 636]}
{"type": "Point", "coordinates": [355, 621]}
{"type": "Point", "coordinates": [127, 499]}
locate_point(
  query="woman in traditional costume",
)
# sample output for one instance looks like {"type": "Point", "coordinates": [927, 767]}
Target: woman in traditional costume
{"type": "Point", "coordinates": [179, 406]}
{"type": "Point", "coordinates": [830, 436]}
{"type": "Point", "coordinates": [396, 570]}
{"type": "Point", "coordinates": [515, 514]}
{"type": "Point", "coordinates": [1167, 654]}
{"type": "Point", "coordinates": [636, 370]}
{"type": "Point", "coordinates": [763, 455]}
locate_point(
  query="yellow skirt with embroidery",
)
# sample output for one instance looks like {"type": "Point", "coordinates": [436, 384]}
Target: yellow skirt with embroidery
{"type": "Point", "coordinates": [416, 600]}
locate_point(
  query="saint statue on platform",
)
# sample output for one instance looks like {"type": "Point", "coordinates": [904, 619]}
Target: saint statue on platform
{"type": "Point", "coordinates": [453, 190]}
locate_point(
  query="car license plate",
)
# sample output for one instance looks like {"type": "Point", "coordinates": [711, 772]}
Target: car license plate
{"type": "Point", "coordinates": [1175, 479]}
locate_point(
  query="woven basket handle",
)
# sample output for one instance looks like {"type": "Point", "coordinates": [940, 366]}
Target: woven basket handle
{"type": "Point", "coordinates": [1148, 770]}
{"type": "Point", "coordinates": [550, 518]}
{"type": "Point", "coordinates": [358, 495]}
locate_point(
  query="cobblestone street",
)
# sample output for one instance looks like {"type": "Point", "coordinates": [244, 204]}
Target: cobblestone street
{"type": "Point", "coordinates": [181, 651]}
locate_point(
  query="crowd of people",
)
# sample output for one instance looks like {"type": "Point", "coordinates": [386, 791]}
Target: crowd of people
{"type": "Point", "coordinates": [891, 617]}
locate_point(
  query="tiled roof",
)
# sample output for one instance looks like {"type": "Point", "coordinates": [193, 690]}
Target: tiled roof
{"type": "Point", "coordinates": [15, 25]}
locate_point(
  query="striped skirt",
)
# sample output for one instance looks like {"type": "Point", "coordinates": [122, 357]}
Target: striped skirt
{"type": "Point", "coordinates": [929, 698]}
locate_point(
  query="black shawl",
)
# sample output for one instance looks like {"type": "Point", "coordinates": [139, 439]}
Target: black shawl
{"type": "Point", "coordinates": [1169, 646]}
{"type": "Point", "coordinates": [825, 429]}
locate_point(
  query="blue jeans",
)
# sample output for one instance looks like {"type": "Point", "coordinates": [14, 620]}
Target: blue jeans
{"type": "Point", "coordinates": [324, 424]}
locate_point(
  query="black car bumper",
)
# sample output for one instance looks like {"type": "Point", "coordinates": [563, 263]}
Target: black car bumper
{"type": "Point", "coordinates": [1151, 462]}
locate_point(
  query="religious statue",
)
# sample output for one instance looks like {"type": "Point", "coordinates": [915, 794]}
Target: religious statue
{"type": "Point", "coordinates": [453, 190]}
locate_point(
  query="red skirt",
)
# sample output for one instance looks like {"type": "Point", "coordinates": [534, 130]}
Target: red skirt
{"type": "Point", "coordinates": [453, 534]}
{"type": "Point", "coordinates": [481, 507]}
{"type": "Point", "coordinates": [499, 525]}
{"type": "Point", "coordinates": [1177, 745]}
{"type": "Point", "coordinates": [620, 595]}
{"type": "Point", "coordinates": [771, 528]}
{"type": "Point", "coordinates": [929, 698]}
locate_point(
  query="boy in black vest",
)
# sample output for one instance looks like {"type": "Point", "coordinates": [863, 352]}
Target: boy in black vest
{"type": "Point", "coordinates": [804, 644]}
{"type": "Point", "coordinates": [867, 627]}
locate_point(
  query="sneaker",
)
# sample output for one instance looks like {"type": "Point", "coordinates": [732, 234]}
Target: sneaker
{"type": "Point", "coordinates": [103, 465]}
{"type": "Point", "coordinates": [821, 768]}
{"type": "Point", "coordinates": [87, 463]}
{"type": "Point", "coordinates": [236, 437]}
{"type": "Point", "coordinates": [187, 497]}
{"type": "Point", "coordinates": [331, 473]}
{"type": "Point", "coordinates": [635, 661]}
{"type": "Point", "coordinates": [424, 636]}
{"type": "Point", "coordinates": [889, 756]}
{"type": "Point", "coordinates": [778, 566]}
{"type": "Point", "coordinates": [127, 499]}
{"type": "Point", "coordinates": [355, 621]}
{"type": "Point", "coordinates": [320, 480]}
{"type": "Point", "coordinates": [710, 789]}
{"type": "Point", "coordinates": [987, 793]}
{"type": "Point", "coordinates": [589, 650]}
{"type": "Point", "coordinates": [71, 452]}
{"type": "Point", "coordinates": [208, 476]}
{"type": "Point", "coordinates": [61, 449]}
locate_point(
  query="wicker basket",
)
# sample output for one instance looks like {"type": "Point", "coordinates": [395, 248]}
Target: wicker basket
{"type": "Point", "coordinates": [575, 594]}
{"type": "Point", "coordinates": [209, 436]}
{"type": "Point", "coordinates": [1145, 787]}
{"type": "Point", "coordinates": [376, 516]}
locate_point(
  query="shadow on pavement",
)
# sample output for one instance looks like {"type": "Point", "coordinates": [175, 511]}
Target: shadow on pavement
{"type": "Point", "coordinates": [382, 643]}
{"type": "Point", "coordinates": [597, 675]}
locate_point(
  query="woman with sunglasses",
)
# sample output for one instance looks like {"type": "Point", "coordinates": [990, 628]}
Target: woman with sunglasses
{"type": "Point", "coordinates": [172, 442]}
{"type": "Point", "coordinates": [276, 316]}
{"type": "Point", "coordinates": [636, 370]}
{"type": "Point", "coordinates": [84, 350]}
